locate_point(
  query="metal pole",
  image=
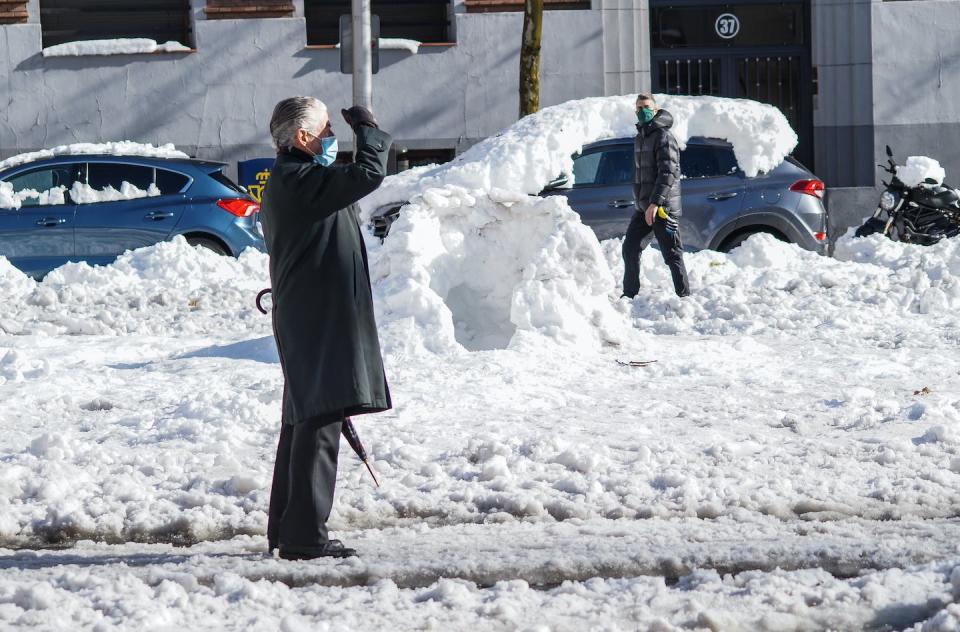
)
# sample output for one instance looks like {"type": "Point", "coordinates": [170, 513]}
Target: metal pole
{"type": "Point", "coordinates": [362, 57]}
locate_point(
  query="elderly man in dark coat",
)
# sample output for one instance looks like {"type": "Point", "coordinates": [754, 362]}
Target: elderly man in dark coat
{"type": "Point", "coordinates": [323, 318]}
{"type": "Point", "coordinates": [656, 189]}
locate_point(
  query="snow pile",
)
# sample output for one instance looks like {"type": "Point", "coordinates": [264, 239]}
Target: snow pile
{"type": "Point", "coordinates": [145, 291]}
{"type": "Point", "coordinates": [474, 269]}
{"type": "Point", "coordinates": [918, 169]}
{"type": "Point", "coordinates": [10, 199]}
{"type": "Point", "coordinates": [873, 288]}
{"type": "Point", "coordinates": [85, 194]}
{"type": "Point", "coordinates": [116, 148]}
{"type": "Point", "coordinates": [535, 150]}
{"type": "Point", "coordinates": [121, 46]}
{"type": "Point", "coordinates": [476, 257]}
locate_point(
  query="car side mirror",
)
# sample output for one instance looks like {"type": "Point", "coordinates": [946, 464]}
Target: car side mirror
{"type": "Point", "coordinates": [559, 182]}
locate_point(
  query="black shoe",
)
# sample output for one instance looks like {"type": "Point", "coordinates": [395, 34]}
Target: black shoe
{"type": "Point", "coordinates": [333, 548]}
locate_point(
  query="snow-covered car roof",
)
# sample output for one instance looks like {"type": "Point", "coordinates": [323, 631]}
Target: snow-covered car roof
{"type": "Point", "coordinates": [117, 148]}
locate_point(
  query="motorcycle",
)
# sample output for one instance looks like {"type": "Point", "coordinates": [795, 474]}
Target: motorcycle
{"type": "Point", "coordinates": [922, 214]}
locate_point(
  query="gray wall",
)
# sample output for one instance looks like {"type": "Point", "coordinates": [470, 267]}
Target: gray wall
{"type": "Point", "coordinates": [216, 103]}
{"type": "Point", "coordinates": [903, 75]}
{"type": "Point", "coordinates": [916, 86]}
{"type": "Point", "coordinates": [843, 111]}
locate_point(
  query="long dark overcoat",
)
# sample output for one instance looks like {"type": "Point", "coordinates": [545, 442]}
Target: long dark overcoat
{"type": "Point", "coordinates": [322, 304]}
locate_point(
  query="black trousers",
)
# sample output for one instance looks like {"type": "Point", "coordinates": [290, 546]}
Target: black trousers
{"type": "Point", "coordinates": [667, 233]}
{"type": "Point", "coordinates": [304, 477]}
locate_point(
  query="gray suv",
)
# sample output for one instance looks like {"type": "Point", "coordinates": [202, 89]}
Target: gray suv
{"type": "Point", "coordinates": [721, 206]}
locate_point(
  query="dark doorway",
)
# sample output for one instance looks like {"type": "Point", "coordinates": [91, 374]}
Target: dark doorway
{"type": "Point", "coordinates": [756, 49]}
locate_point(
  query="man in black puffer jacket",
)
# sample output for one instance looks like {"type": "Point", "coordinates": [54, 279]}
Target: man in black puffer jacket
{"type": "Point", "coordinates": [657, 191]}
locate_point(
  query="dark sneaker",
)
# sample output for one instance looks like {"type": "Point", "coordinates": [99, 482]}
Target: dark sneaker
{"type": "Point", "coordinates": [333, 548]}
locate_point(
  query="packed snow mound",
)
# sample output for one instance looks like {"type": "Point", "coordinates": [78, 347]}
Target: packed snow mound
{"type": "Point", "coordinates": [529, 154]}
{"type": "Point", "coordinates": [474, 269]}
{"type": "Point", "coordinates": [171, 285]}
{"type": "Point", "coordinates": [120, 46]}
{"type": "Point", "coordinates": [116, 148]}
{"type": "Point", "coordinates": [918, 168]}
{"type": "Point", "coordinates": [476, 258]}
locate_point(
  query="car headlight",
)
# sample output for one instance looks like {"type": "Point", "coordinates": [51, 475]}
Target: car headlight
{"type": "Point", "coordinates": [887, 201]}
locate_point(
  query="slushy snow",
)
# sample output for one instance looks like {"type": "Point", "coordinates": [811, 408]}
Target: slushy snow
{"type": "Point", "coordinates": [791, 461]}
{"type": "Point", "coordinates": [120, 46]}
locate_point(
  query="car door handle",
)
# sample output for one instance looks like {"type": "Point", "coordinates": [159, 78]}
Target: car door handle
{"type": "Point", "coordinates": [620, 203]}
{"type": "Point", "coordinates": [158, 215]}
{"type": "Point", "coordinates": [726, 195]}
{"type": "Point", "coordinates": [51, 221]}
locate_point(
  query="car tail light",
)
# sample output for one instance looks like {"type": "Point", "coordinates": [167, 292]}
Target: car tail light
{"type": "Point", "coordinates": [820, 236]}
{"type": "Point", "coordinates": [239, 207]}
{"type": "Point", "coordinates": [810, 187]}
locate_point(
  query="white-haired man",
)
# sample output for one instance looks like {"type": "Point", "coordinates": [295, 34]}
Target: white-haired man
{"type": "Point", "coordinates": [322, 312]}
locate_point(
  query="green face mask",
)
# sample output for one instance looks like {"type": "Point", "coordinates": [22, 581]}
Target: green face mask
{"type": "Point", "coordinates": [645, 115]}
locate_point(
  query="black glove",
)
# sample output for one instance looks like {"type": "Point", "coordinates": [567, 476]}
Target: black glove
{"type": "Point", "coordinates": [357, 116]}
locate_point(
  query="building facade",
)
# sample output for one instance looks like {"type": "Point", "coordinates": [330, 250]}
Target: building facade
{"type": "Point", "coordinates": [851, 75]}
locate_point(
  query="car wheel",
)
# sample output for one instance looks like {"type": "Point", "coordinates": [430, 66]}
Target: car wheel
{"type": "Point", "coordinates": [207, 243]}
{"type": "Point", "coordinates": [739, 238]}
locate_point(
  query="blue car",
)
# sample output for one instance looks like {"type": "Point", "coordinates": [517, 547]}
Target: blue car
{"type": "Point", "coordinates": [193, 198]}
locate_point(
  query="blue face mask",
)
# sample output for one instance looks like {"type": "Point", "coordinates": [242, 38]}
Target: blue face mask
{"type": "Point", "coordinates": [328, 151]}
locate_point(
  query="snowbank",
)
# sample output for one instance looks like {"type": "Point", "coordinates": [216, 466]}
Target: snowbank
{"type": "Point", "coordinates": [476, 258]}
{"type": "Point", "coordinates": [918, 168]}
{"type": "Point", "coordinates": [121, 46]}
{"type": "Point", "coordinates": [117, 148]}
{"type": "Point", "coordinates": [147, 291]}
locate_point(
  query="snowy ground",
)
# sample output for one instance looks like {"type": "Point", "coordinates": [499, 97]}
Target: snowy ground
{"type": "Point", "coordinates": [773, 470]}
{"type": "Point", "coordinates": [791, 461]}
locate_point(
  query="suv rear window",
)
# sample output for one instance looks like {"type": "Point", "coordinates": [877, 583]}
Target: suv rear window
{"type": "Point", "coordinates": [707, 161]}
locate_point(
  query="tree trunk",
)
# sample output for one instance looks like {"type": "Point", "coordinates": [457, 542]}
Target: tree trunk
{"type": "Point", "coordinates": [530, 57]}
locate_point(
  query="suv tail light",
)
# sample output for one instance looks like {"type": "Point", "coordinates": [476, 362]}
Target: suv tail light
{"type": "Point", "coordinates": [810, 187]}
{"type": "Point", "coordinates": [239, 206]}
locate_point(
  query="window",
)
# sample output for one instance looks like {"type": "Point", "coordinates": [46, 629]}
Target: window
{"type": "Point", "coordinates": [101, 175]}
{"type": "Point", "coordinates": [65, 21]}
{"type": "Point", "coordinates": [707, 161]}
{"type": "Point", "coordinates": [170, 181]}
{"type": "Point", "coordinates": [585, 169]}
{"type": "Point", "coordinates": [757, 25]}
{"type": "Point", "coordinates": [609, 167]}
{"type": "Point", "coordinates": [43, 180]}
{"type": "Point", "coordinates": [422, 20]}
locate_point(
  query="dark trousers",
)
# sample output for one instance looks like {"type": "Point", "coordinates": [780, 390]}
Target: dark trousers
{"type": "Point", "coordinates": [304, 477]}
{"type": "Point", "coordinates": [668, 236]}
